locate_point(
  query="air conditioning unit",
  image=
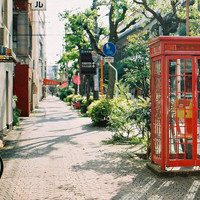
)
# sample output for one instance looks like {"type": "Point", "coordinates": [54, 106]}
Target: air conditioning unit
{"type": "Point", "coordinates": [5, 37]}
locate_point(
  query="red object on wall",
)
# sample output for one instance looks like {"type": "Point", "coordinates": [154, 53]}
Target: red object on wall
{"type": "Point", "coordinates": [21, 88]}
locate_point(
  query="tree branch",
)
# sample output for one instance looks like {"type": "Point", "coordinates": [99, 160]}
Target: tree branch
{"type": "Point", "coordinates": [111, 23]}
{"type": "Point", "coordinates": [128, 25]}
{"type": "Point", "coordinates": [122, 16]}
{"type": "Point", "coordinates": [156, 15]}
{"type": "Point", "coordinates": [93, 41]}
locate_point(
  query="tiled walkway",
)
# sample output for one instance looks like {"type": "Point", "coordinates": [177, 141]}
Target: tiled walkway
{"type": "Point", "coordinates": [58, 155]}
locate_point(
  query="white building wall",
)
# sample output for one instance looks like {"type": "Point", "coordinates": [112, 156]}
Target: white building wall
{"type": "Point", "coordinates": [6, 94]}
{"type": "Point", "coordinates": [6, 76]}
{"type": "Point", "coordinates": [38, 56]}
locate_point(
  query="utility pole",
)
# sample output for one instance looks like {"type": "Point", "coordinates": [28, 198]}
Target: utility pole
{"type": "Point", "coordinates": [94, 7]}
{"type": "Point", "coordinates": [187, 18]}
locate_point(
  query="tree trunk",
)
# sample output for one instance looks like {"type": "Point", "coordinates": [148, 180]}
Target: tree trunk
{"type": "Point", "coordinates": [111, 83]}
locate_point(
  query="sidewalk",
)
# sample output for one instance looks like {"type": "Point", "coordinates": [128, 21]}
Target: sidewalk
{"type": "Point", "coordinates": [57, 155]}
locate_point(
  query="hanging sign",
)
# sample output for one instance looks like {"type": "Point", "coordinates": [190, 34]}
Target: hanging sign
{"type": "Point", "coordinates": [86, 63]}
{"type": "Point", "coordinates": [63, 85]}
{"type": "Point", "coordinates": [77, 80]}
{"type": "Point", "coordinates": [50, 82]}
{"type": "Point", "coordinates": [39, 5]}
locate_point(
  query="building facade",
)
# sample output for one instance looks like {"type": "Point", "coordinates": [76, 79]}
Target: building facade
{"type": "Point", "coordinates": [7, 63]}
{"type": "Point", "coordinates": [29, 45]}
{"type": "Point", "coordinates": [39, 56]}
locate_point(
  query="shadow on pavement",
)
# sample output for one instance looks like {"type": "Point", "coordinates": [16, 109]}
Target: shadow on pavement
{"type": "Point", "coordinates": [144, 184]}
{"type": "Point", "coordinates": [35, 148]}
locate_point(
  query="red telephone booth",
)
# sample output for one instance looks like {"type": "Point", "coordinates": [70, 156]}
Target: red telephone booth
{"type": "Point", "coordinates": [175, 101]}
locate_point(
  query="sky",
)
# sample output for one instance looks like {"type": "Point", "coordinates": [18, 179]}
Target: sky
{"type": "Point", "coordinates": [55, 27]}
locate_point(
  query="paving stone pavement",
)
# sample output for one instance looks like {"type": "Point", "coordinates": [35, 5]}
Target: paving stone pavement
{"type": "Point", "coordinates": [58, 155]}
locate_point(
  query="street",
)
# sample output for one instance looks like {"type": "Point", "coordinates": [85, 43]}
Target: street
{"type": "Point", "coordinates": [58, 155]}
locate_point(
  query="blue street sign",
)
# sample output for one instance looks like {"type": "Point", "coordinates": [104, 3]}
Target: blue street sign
{"type": "Point", "coordinates": [109, 49]}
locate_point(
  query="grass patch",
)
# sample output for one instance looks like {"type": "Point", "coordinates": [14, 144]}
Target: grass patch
{"type": "Point", "coordinates": [120, 140]}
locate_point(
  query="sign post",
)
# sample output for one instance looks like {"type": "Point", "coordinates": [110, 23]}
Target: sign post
{"type": "Point", "coordinates": [101, 81]}
{"type": "Point", "coordinates": [109, 49]}
{"type": "Point", "coordinates": [96, 59]}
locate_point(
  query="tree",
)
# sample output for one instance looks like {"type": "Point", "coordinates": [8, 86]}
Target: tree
{"type": "Point", "coordinates": [138, 63]}
{"type": "Point", "coordinates": [75, 39]}
{"type": "Point", "coordinates": [65, 59]}
{"type": "Point", "coordinates": [84, 21]}
{"type": "Point", "coordinates": [169, 14]}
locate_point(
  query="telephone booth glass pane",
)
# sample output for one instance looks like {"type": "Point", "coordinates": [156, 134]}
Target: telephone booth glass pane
{"type": "Point", "coordinates": [180, 109]}
{"type": "Point", "coordinates": [156, 106]}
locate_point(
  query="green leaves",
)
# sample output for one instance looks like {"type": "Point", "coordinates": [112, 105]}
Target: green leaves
{"type": "Point", "coordinates": [138, 63]}
{"type": "Point", "coordinates": [169, 14]}
{"type": "Point", "coordinates": [121, 119]}
{"type": "Point", "coordinates": [99, 111]}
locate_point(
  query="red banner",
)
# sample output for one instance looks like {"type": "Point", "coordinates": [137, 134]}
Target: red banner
{"type": "Point", "coordinates": [77, 80]}
{"type": "Point", "coordinates": [63, 85]}
{"type": "Point", "coordinates": [50, 82]}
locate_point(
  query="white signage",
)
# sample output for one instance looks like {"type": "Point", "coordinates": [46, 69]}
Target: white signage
{"type": "Point", "coordinates": [109, 59]}
{"type": "Point", "coordinates": [39, 5]}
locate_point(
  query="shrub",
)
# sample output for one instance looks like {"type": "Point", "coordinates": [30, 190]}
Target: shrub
{"type": "Point", "coordinates": [126, 117]}
{"type": "Point", "coordinates": [121, 119]}
{"type": "Point", "coordinates": [77, 98]}
{"type": "Point", "coordinates": [69, 98]}
{"type": "Point", "coordinates": [99, 111]}
{"type": "Point", "coordinates": [64, 92]}
{"type": "Point", "coordinates": [85, 104]}
{"type": "Point", "coordinates": [142, 117]}
{"type": "Point", "coordinates": [16, 115]}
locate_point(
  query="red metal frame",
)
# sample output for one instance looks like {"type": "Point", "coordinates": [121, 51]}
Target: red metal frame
{"type": "Point", "coordinates": [197, 109]}
{"type": "Point", "coordinates": [176, 161]}
{"type": "Point", "coordinates": [154, 91]}
{"type": "Point", "coordinates": [164, 49]}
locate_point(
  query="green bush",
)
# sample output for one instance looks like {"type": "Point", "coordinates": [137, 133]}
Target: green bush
{"type": "Point", "coordinates": [69, 98]}
{"type": "Point", "coordinates": [16, 115]}
{"type": "Point", "coordinates": [64, 92]}
{"type": "Point", "coordinates": [121, 119]}
{"type": "Point", "coordinates": [142, 117]}
{"type": "Point", "coordinates": [85, 104]}
{"type": "Point", "coordinates": [77, 98]}
{"type": "Point", "coordinates": [99, 111]}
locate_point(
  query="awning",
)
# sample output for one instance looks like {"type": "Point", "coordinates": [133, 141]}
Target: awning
{"type": "Point", "coordinates": [7, 55]}
{"type": "Point", "coordinates": [50, 82]}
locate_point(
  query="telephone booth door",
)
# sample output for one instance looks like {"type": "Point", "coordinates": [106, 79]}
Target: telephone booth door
{"type": "Point", "coordinates": [183, 98]}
